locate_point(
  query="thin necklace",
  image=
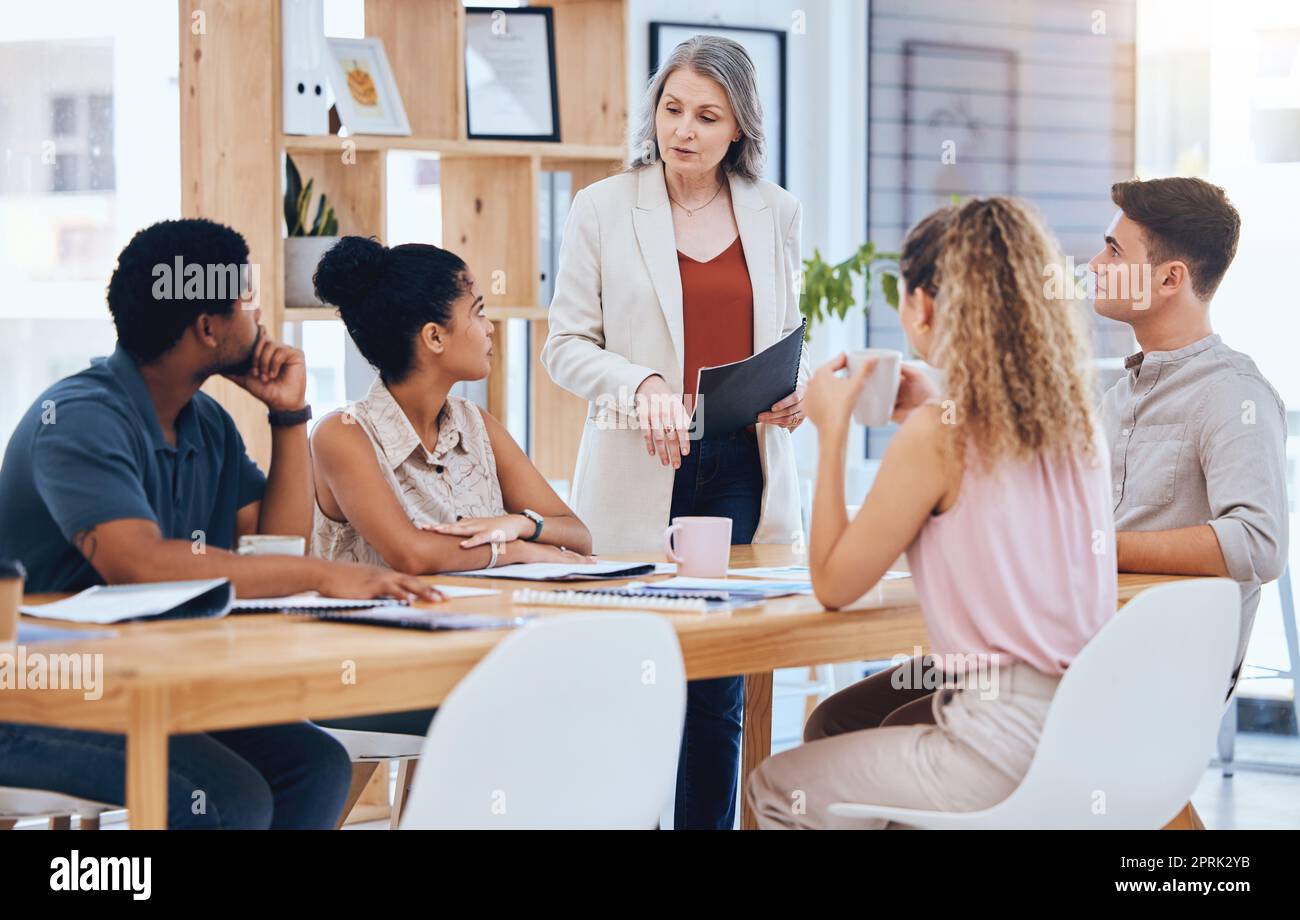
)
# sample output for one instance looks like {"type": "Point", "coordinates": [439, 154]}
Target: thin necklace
{"type": "Point", "coordinates": [689, 211]}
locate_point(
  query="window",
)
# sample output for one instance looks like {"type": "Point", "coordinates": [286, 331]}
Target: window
{"type": "Point", "coordinates": [63, 116]}
{"type": "Point", "coordinates": [91, 155]}
{"type": "Point", "coordinates": [1219, 98]}
{"type": "Point", "coordinates": [1031, 100]}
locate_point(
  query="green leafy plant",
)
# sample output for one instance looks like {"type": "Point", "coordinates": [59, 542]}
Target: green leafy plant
{"type": "Point", "coordinates": [297, 206]}
{"type": "Point", "coordinates": [828, 290]}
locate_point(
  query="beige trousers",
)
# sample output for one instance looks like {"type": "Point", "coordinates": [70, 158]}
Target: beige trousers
{"type": "Point", "coordinates": [888, 741]}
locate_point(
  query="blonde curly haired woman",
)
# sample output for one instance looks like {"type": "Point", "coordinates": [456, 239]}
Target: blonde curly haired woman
{"type": "Point", "coordinates": [998, 489]}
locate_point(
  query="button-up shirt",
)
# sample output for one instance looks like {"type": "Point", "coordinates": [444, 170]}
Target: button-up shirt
{"type": "Point", "coordinates": [1198, 436]}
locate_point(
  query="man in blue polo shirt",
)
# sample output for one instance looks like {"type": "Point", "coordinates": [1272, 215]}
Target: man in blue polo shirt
{"type": "Point", "coordinates": [125, 472]}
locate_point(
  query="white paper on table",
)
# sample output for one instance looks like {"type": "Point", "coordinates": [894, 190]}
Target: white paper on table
{"type": "Point", "coordinates": [117, 603]}
{"type": "Point", "coordinates": [781, 572]}
{"type": "Point", "coordinates": [463, 591]}
{"type": "Point", "coordinates": [798, 573]}
{"type": "Point", "coordinates": [311, 601]}
{"type": "Point", "coordinates": [770, 588]}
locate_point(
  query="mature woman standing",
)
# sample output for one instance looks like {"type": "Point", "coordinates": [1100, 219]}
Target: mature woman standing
{"type": "Point", "coordinates": [686, 260]}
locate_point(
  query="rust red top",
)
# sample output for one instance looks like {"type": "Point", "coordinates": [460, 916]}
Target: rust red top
{"type": "Point", "coordinates": [717, 311]}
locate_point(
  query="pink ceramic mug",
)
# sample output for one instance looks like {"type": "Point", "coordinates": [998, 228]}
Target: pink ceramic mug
{"type": "Point", "coordinates": [703, 546]}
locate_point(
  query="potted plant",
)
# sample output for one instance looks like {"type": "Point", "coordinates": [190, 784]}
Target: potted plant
{"type": "Point", "coordinates": [307, 239]}
{"type": "Point", "coordinates": [828, 289]}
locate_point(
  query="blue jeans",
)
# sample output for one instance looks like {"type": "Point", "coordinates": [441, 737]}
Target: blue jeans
{"type": "Point", "coordinates": [291, 776]}
{"type": "Point", "coordinates": [721, 477]}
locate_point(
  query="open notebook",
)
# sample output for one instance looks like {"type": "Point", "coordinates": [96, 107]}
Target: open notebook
{"type": "Point", "coordinates": [172, 600]}
{"type": "Point", "coordinates": [213, 597]}
{"type": "Point", "coordinates": [563, 571]}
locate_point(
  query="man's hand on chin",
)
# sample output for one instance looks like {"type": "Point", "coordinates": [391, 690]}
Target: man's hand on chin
{"type": "Point", "coordinates": [278, 376]}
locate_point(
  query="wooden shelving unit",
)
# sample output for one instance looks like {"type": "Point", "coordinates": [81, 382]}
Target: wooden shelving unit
{"type": "Point", "coordinates": [557, 153]}
{"type": "Point", "coordinates": [233, 152]}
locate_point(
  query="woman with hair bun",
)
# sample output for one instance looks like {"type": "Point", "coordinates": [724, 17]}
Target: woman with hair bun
{"type": "Point", "coordinates": [411, 477]}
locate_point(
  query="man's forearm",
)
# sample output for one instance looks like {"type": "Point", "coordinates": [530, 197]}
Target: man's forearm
{"type": "Point", "coordinates": [1185, 551]}
{"type": "Point", "coordinates": [252, 576]}
{"type": "Point", "coordinates": [287, 504]}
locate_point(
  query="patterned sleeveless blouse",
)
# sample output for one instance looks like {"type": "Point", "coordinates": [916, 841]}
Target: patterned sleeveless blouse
{"type": "Point", "coordinates": [457, 478]}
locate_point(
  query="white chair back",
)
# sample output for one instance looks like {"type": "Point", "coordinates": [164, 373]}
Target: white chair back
{"type": "Point", "coordinates": [17, 803]}
{"type": "Point", "coordinates": [1134, 719]}
{"type": "Point", "coordinates": [573, 722]}
{"type": "Point", "coordinates": [1132, 724]}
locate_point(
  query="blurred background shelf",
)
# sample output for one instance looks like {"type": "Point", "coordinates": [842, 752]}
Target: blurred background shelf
{"type": "Point", "coordinates": [561, 152]}
{"type": "Point", "coordinates": [496, 314]}
{"type": "Point", "coordinates": [488, 190]}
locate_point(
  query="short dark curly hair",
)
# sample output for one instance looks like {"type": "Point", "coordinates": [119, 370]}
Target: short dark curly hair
{"type": "Point", "coordinates": [154, 294]}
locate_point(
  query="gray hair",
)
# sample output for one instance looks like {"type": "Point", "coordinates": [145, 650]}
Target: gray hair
{"type": "Point", "coordinates": [728, 64]}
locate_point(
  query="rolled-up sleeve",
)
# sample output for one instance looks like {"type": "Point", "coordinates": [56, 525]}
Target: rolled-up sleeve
{"type": "Point", "coordinates": [575, 354]}
{"type": "Point", "coordinates": [1243, 455]}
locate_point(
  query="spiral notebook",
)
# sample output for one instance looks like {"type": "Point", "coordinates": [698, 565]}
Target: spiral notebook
{"type": "Point", "coordinates": [640, 597]}
{"type": "Point", "coordinates": [308, 603]}
{"type": "Point", "coordinates": [730, 396]}
{"type": "Point", "coordinates": [401, 616]}
{"type": "Point", "coordinates": [562, 571]}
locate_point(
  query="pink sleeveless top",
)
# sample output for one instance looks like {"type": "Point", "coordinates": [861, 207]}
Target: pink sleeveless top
{"type": "Point", "coordinates": [1023, 565]}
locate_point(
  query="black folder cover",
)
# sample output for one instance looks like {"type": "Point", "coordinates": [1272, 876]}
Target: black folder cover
{"type": "Point", "coordinates": [732, 395]}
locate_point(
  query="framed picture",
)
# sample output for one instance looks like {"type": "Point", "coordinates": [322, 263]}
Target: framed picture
{"type": "Point", "coordinates": [365, 92]}
{"type": "Point", "coordinates": [974, 109]}
{"type": "Point", "coordinates": [510, 86]}
{"type": "Point", "coordinates": [766, 49]}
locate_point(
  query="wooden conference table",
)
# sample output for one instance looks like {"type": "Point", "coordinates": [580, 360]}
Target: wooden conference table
{"type": "Point", "coordinates": [240, 671]}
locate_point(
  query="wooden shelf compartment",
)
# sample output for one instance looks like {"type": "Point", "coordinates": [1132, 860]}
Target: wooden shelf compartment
{"type": "Point", "coordinates": [559, 152]}
{"type": "Point", "coordinates": [233, 148]}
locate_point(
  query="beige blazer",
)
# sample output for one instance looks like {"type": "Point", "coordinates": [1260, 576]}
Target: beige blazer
{"type": "Point", "coordinates": [616, 319]}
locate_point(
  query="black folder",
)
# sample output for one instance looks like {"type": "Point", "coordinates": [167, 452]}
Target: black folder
{"type": "Point", "coordinates": [730, 396]}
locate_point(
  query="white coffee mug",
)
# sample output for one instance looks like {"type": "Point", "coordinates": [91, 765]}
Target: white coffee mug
{"type": "Point", "coordinates": [876, 402]}
{"type": "Point", "coordinates": [268, 544]}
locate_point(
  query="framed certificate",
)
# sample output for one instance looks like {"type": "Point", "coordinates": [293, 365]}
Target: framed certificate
{"type": "Point", "coordinates": [510, 74]}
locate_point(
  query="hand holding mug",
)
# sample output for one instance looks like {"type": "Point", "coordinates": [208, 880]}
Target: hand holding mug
{"type": "Point", "coordinates": [914, 389]}
{"type": "Point", "coordinates": [831, 396]}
